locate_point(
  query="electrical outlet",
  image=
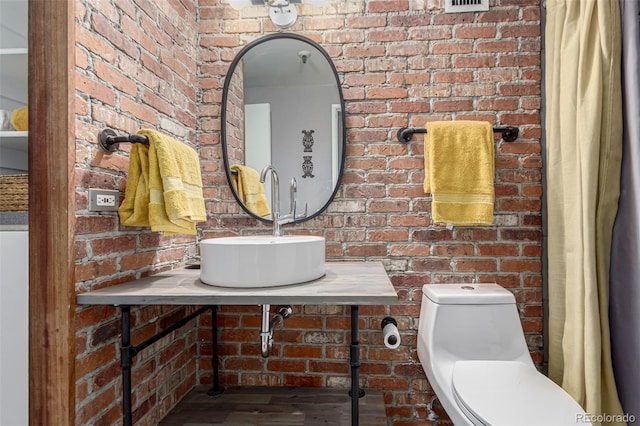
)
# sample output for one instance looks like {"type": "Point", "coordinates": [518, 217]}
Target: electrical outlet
{"type": "Point", "coordinates": [103, 200]}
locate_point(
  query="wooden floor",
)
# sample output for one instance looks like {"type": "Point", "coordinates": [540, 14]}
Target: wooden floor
{"type": "Point", "coordinates": [262, 406]}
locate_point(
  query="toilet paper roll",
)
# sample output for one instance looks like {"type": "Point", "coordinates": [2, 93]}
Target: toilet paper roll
{"type": "Point", "coordinates": [390, 333]}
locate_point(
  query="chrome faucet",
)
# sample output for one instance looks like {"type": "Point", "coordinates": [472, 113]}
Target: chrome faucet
{"type": "Point", "coordinates": [275, 200]}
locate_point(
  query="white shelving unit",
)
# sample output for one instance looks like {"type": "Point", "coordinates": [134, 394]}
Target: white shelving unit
{"type": "Point", "coordinates": [14, 246]}
{"type": "Point", "coordinates": [13, 81]}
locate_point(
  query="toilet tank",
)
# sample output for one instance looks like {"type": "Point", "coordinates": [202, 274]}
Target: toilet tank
{"type": "Point", "coordinates": [470, 322]}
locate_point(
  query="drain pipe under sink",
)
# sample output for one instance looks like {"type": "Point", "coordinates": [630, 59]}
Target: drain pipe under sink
{"type": "Point", "coordinates": [266, 333]}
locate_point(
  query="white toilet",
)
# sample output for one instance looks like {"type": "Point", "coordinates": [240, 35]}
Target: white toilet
{"type": "Point", "coordinates": [472, 348]}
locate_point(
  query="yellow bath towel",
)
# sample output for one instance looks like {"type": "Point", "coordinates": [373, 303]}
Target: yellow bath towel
{"type": "Point", "coordinates": [20, 119]}
{"type": "Point", "coordinates": [164, 186]}
{"type": "Point", "coordinates": [460, 172]}
{"type": "Point", "coordinates": [250, 189]}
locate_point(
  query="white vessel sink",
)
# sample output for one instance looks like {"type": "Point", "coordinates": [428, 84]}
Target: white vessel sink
{"type": "Point", "coordinates": [261, 261]}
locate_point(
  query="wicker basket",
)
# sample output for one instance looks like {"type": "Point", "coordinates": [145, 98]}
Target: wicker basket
{"type": "Point", "coordinates": [14, 193]}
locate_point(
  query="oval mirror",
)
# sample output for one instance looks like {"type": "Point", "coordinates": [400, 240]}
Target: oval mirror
{"type": "Point", "coordinates": [282, 105]}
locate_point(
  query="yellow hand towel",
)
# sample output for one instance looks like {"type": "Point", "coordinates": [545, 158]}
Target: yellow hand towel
{"type": "Point", "coordinates": [460, 172]}
{"type": "Point", "coordinates": [134, 210]}
{"type": "Point", "coordinates": [20, 119]}
{"type": "Point", "coordinates": [250, 189]}
{"type": "Point", "coordinates": [164, 186]}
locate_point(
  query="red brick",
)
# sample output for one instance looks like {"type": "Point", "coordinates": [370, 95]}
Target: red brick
{"type": "Point", "coordinates": [496, 46]}
{"type": "Point", "coordinates": [453, 250]}
{"type": "Point", "coordinates": [451, 106]}
{"type": "Point", "coordinates": [525, 89]}
{"type": "Point", "coordinates": [520, 31]}
{"type": "Point", "coordinates": [94, 224]}
{"type": "Point", "coordinates": [302, 352]}
{"type": "Point", "coordinates": [452, 48]}
{"type": "Point", "coordinates": [138, 260]}
{"type": "Point", "coordinates": [388, 383]}
{"type": "Point", "coordinates": [469, 265]}
{"type": "Point", "coordinates": [95, 89]}
{"type": "Point", "coordinates": [430, 34]}
{"type": "Point", "coordinates": [520, 205]}
{"type": "Point", "coordinates": [519, 60]}
{"type": "Point", "coordinates": [410, 21]}
{"type": "Point", "coordinates": [84, 413]}
{"type": "Point", "coordinates": [521, 266]}
{"type": "Point", "coordinates": [424, 265]}
{"type": "Point", "coordinates": [498, 250]}
{"type": "Point", "coordinates": [475, 90]}
{"type": "Point", "coordinates": [476, 32]}
{"type": "Point", "coordinates": [475, 61]}
{"type": "Point", "coordinates": [408, 107]}
{"type": "Point", "coordinates": [452, 77]}
{"type": "Point", "coordinates": [388, 235]}
{"type": "Point", "coordinates": [498, 16]}
{"type": "Point", "coordinates": [386, 93]}
{"type": "Point", "coordinates": [366, 250]}
{"type": "Point", "coordinates": [386, 6]}
{"type": "Point", "coordinates": [303, 381]}
{"type": "Point", "coordinates": [366, 80]}
{"type": "Point", "coordinates": [497, 104]}
{"type": "Point", "coordinates": [389, 206]}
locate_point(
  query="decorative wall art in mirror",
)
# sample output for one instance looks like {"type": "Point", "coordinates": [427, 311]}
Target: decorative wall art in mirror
{"type": "Point", "coordinates": [282, 105]}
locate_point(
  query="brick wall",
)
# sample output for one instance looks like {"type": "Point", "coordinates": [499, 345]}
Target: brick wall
{"type": "Point", "coordinates": [136, 63]}
{"type": "Point", "coordinates": [235, 118]}
{"type": "Point", "coordinates": [401, 62]}
{"type": "Point", "coordinates": [162, 64]}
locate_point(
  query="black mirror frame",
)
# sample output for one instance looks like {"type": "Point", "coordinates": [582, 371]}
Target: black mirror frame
{"type": "Point", "coordinates": [223, 117]}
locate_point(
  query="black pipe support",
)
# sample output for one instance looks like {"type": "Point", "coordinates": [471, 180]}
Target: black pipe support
{"type": "Point", "coordinates": [109, 140]}
{"type": "Point", "coordinates": [127, 352]}
{"type": "Point", "coordinates": [215, 361]}
{"type": "Point", "coordinates": [509, 133]}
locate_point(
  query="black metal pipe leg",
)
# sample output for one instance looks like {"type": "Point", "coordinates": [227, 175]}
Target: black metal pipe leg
{"type": "Point", "coordinates": [126, 357]}
{"type": "Point", "coordinates": [128, 352]}
{"type": "Point", "coordinates": [356, 393]}
{"type": "Point", "coordinates": [215, 361]}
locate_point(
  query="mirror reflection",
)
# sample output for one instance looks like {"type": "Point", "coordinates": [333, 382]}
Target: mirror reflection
{"type": "Point", "coordinates": [283, 106]}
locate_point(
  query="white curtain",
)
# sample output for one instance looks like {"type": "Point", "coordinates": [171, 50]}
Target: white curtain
{"type": "Point", "coordinates": [624, 305]}
{"type": "Point", "coordinates": [584, 145]}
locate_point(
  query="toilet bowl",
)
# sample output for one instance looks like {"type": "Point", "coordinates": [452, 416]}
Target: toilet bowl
{"type": "Point", "coordinates": [472, 348]}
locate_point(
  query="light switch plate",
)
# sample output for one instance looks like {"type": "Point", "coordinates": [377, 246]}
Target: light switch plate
{"type": "Point", "coordinates": [103, 200]}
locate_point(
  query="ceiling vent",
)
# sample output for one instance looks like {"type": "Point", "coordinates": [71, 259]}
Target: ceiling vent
{"type": "Point", "coordinates": [459, 6]}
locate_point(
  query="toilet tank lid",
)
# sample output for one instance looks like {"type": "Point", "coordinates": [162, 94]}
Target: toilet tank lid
{"type": "Point", "coordinates": [468, 294]}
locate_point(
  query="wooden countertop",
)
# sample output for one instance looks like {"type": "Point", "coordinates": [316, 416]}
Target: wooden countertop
{"type": "Point", "coordinates": [345, 283]}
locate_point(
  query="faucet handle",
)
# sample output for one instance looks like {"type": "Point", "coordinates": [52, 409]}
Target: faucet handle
{"type": "Point", "coordinates": [292, 216]}
{"type": "Point", "coordinates": [303, 215]}
{"type": "Point", "coordinates": [293, 188]}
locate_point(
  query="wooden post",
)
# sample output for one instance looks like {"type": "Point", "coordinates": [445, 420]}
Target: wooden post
{"type": "Point", "coordinates": [51, 213]}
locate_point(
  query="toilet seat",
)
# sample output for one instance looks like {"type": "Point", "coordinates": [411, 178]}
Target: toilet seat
{"type": "Point", "coordinates": [511, 393]}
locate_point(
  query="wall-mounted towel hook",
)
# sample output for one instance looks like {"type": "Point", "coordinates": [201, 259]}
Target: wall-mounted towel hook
{"type": "Point", "coordinates": [109, 140]}
{"type": "Point", "coordinates": [509, 133]}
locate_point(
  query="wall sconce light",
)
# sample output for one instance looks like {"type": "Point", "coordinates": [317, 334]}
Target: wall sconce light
{"type": "Point", "coordinates": [283, 13]}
